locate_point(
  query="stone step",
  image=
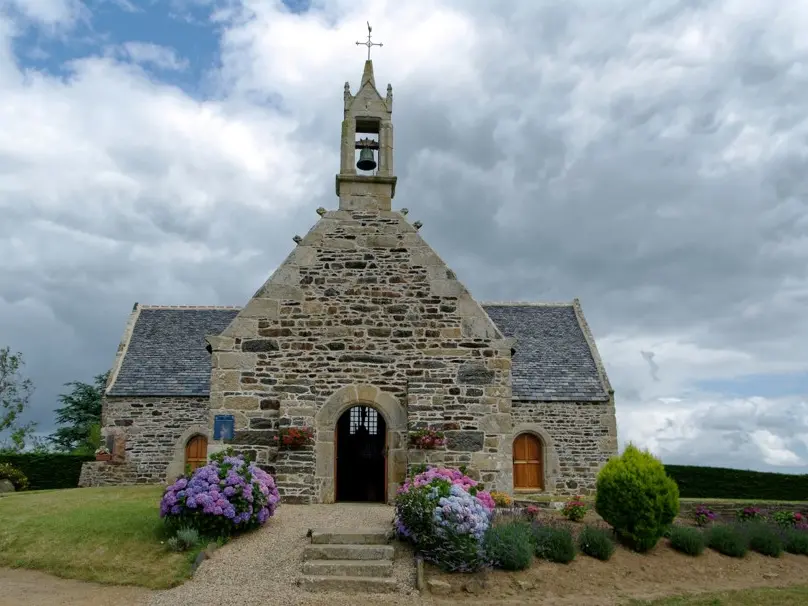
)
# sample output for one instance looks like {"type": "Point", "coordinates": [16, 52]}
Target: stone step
{"type": "Point", "coordinates": [348, 568]}
{"type": "Point", "coordinates": [380, 536]}
{"type": "Point", "coordinates": [347, 584]}
{"type": "Point", "coordinates": [348, 552]}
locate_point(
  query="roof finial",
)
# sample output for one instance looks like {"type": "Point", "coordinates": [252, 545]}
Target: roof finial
{"type": "Point", "coordinates": [368, 43]}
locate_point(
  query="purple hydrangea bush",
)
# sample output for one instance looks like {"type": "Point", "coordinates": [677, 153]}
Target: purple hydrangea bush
{"type": "Point", "coordinates": [225, 496]}
{"type": "Point", "coordinates": [442, 513]}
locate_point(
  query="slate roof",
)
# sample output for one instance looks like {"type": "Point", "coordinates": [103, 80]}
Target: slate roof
{"type": "Point", "coordinates": [553, 360]}
{"type": "Point", "coordinates": [166, 353]}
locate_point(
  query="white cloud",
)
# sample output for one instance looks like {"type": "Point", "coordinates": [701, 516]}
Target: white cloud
{"type": "Point", "coordinates": [154, 55]}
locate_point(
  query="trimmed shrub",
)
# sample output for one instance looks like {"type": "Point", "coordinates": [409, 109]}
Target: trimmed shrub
{"type": "Point", "coordinates": [636, 498]}
{"type": "Point", "coordinates": [720, 483]}
{"type": "Point", "coordinates": [596, 543]}
{"type": "Point", "coordinates": [795, 541]}
{"type": "Point", "coordinates": [690, 541]}
{"type": "Point", "coordinates": [728, 540]}
{"type": "Point", "coordinates": [225, 496]}
{"type": "Point", "coordinates": [13, 475]}
{"type": "Point", "coordinates": [764, 539]}
{"type": "Point", "coordinates": [553, 544]}
{"type": "Point", "coordinates": [48, 471]}
{"type": "Point", "coordinates": [509, 546]}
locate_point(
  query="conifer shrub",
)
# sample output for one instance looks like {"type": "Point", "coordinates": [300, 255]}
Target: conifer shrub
{"type": "Point", "coordinates": [764, 539]}
{"type": "Point", "coordinates": [637, 498]}
{"type": "Point", "coordinates": [690, 541]}
{"type": "Point", "coordinates": [509, 546]}
{"type": "Point", "coordinates": [596, 543]}
{"type": "Point", "coordinates": [553, 544]}
{"type": "Point", "coordinates": [795, 541]}
{"type": "Point", "coordinates": [728, 540]}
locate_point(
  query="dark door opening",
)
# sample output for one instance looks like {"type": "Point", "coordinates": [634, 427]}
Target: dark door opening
{"type": "Point", "coordinates": [361, 458]}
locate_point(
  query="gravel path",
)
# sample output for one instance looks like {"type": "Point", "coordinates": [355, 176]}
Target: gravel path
{"type": "Point", "coordinates": [261, 567]}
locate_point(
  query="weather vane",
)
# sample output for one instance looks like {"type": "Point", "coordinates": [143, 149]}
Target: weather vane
{"type": "Point", "coordinates": [369, 43]}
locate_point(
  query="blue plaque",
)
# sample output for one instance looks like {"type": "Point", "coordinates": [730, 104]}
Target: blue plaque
{"type": "Point", "coordinates": [223, 426]}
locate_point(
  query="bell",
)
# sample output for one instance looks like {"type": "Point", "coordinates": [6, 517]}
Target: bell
{"type": "Point", "coordinates": [366, 161]}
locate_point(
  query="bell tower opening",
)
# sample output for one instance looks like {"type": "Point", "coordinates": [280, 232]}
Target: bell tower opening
{"type": "Point", "coordinates": [367, 145]}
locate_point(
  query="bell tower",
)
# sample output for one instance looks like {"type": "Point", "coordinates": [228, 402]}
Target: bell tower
{"type": "Point", "coordinates": [366, 180]}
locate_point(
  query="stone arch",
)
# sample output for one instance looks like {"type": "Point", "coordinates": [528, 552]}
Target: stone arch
{"type": "Point", "coordinates": [176, 466]}
{"type": "Point", "coordinates": [550, 461]}
{"type": "Point", "coordinates": [395, 417]}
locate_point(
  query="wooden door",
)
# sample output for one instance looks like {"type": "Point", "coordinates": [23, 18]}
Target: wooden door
{"type": "Point", "coordinates": [196, 452]}
{"type": "Point", "coordinates": [528, 468]}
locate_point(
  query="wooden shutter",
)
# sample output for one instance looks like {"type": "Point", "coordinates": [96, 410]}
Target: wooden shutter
{"type": "Point", "coordinates": [528, 468]}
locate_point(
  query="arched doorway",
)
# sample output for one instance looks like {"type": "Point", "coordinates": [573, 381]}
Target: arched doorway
{"type": "Point", "coordinates": [361, 458]}
{"type": "Point", "coordinates": [196, 453]}
{"type": "Point", "coordinates": [528, 462]}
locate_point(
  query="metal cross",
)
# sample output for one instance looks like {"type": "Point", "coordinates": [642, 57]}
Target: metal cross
{"type": "Point", "coordinates": [368, 43]}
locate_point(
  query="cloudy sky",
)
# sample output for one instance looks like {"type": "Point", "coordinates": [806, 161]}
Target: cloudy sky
{"type": "Point", "coordinates": [647, 156]}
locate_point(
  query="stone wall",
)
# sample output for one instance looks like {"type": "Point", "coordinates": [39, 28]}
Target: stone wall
{"type": "Point", "coordinates": [579, 438]}
{"type": "Point", "coordinates": [364, 301]}
{"type": "Point", "coordinates": [155, 430]}
{"type": "Point", "coordinates": [104, 473]}
{"type": "Point", "coordinates": [727, 510]}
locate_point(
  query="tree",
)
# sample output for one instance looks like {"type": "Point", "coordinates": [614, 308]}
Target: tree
{"type": "Point", "coordinates": [80, 416]}
{"type": "Point", "coordinates": [15, 395]}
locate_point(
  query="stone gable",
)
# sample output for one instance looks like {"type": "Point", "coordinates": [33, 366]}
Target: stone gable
{"type": "Point", "coordinates": [363, 300]}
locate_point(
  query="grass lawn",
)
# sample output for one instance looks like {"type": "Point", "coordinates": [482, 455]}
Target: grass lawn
{"type": "Point", "coordinates": [107, 535]}
{"type": "Point", "coordinates": [780, 596]}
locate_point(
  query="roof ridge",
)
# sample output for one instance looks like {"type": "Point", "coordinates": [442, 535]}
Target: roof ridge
{"type": "Point", "coordinates": [529, 303]}
{"type": "Point", "coordinates": [222, 307]}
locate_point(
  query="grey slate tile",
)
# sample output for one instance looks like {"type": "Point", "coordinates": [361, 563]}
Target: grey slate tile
{"type": "Point", "coordinates": [167, 352]}
{"type": "Point", "coordinates": [552, 360]}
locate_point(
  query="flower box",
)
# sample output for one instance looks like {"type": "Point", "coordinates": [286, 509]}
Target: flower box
{"type": "Point", "coordinates": [427, 439]}
{"type": "Point", "coordinates": [294, 438]}
{"type": "Point", "coordinates": [103, 456]}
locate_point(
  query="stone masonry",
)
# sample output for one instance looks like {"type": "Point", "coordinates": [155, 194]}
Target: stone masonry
{"type": "Point", "coordinates": [579, 438]}
{"type": "Point", "coordinates": [364, 301]}
{"type": "Point", "coordinates": [155, 431]}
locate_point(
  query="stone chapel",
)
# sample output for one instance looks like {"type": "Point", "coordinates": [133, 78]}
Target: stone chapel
{"type": "Point", "coordinates": [363, 335]}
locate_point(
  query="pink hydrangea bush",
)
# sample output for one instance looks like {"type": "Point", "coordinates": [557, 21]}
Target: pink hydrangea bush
{"type": "Point", "coordinates": [225, 496]}
{"type": "Point", "coordinates": [445, 514]}
{"type": "Point", "coordinates": [454, 477]}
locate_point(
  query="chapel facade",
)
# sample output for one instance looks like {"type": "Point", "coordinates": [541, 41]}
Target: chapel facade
{"type": "Point", "coordinates": [362, 335]}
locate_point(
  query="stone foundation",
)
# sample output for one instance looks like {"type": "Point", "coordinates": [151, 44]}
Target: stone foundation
{"type": "Point", "coordinates": [104, 473]}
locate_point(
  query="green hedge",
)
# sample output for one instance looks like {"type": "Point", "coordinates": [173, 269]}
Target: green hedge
{"type": "Point", "coordinates": [47, 471]}
{"type": "Point", "coordinates": [720, 483]}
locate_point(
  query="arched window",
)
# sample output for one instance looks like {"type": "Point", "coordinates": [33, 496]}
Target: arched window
{"type": "Point", "coordinates": [528, 462]}
{"type": "Point", "coordinates": [196, 452]}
